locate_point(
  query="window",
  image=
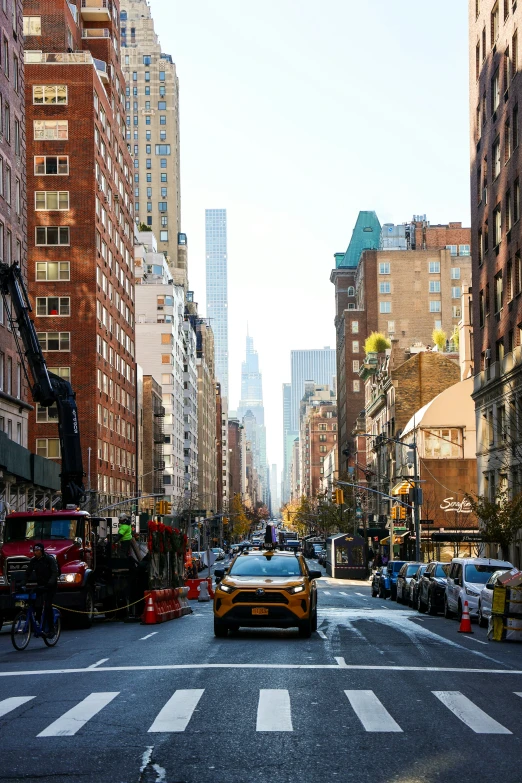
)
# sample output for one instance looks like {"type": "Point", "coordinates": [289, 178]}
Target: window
{"type": "Point", "coordinates": [53, 305]}
{"type": "Point", "coordinates": [495, 91]}
{"type": "Point", "coordinates": [51, 164]}
{"type": "Point", "coordinates": [496, 157]}
{"type": "Point", "coordinates": [44, 415]}
{"type": "Point", "coordinates": [48, 447]}
{"type": "Point", "coordinates": [163, 119]}
{"type": "Point", "coordinates": [385, 307]}
{"type": "Point", "coordinates": [162, 76]}
{"type": "Point", "coordinates": [455, 273]}
{"type": "Point", "coordinates": [497, 225]}
{"type": "Point", "coordinates": [166, 358]}
{"type": "Point", "coordinates": [54, 341]}
{"type": "Point", "coordinates": [162, 149]}
{"type": "Point", "coordinates": [434, 286]}
{"type": "Point", "coordinates": [514, 54]}
{"type": "Point", "coordinates": [508, 211]}
{"type": "Point", "coordinates": [499, 292]}
{"type": "Point", "coordinates": [355, 327]}
{"type": "Point", "coordinates": [51, 200]}
{"type": "Point", "coordinates": [146, 59]}
{"type": "Point", "coordinates": [384, 288]}
{"type": "Point", "coordinates": [434, 267]}
{"type": "Point", "coordinates": [355, 365]}
{"type": "Point", "coordinates": [50, 94]}
{"type": "Point", "coordinates": [384, 268]}
{"type": "Point", "coordinates": [464, 250]}
{"type": "Point", "coordinates": [434, 306]}
{"type": "Point", "coordinates": [52, 235]}
{"type": "Point", "coordinates": [443, 443]}
{"type": "Point", "coordinates": [455, 292]}
{"type": "Point", "coordinates": [456, 311]}
{"type": "Point", "coordinates": [162, 105]}
{"type": "Point", "coordinates": [356, 386]}
{"type": "Point", "coordinates": [494, 24]}
{"type": "Point", "coordinates": [162, 206]}
{"type": "Point", "coordinates": [509, 280]}
{"type": "Point", "coordinates": [32, 25]}
{"type": "Point", "coordinates": [164, 236]}
{"type": "Point", "coordinates": [355, 346]}
{"type": "Point", "coordinates": [391, 327]}
{"type": "Point", "coordinates": [514, 123]}
{"type": "Point", "coordinates": [62, 372]}
{"type": "Point", "coordinates": [516, 201]}
{"type": "Point", "coordinates": [452, 249]}
{"type": "Point", "coordinates": [51, 130]}
{"type": "Point", "coordinates": [53, 270]}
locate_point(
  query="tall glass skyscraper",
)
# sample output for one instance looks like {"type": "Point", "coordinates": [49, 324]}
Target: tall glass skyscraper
{"type": "Point", "coordinates": [317, 365]}
{"type": "Point", "coordinates": [217, 289]}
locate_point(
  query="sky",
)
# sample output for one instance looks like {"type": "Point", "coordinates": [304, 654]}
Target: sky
{"type": "Point", "coordinates": [295, 115]}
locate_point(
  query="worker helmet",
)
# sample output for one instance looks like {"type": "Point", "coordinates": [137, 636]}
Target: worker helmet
{"type": "Point", "coordinates": [124, 518]}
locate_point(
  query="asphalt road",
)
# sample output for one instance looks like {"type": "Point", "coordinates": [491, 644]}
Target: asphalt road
{"type": "Point", "coordinates": [378, 694]}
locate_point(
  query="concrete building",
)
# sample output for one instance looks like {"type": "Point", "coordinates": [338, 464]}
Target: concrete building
{"type": "Point", "coordinates": [80, 232]}
{"type": "Point", "coordinates": [317, 434]}
{"type": "Point", "coordinates": [160, 345]}
{"type": "Point", "coordinates": [152, 131]}
{"type": "Point", "coordinates": [237, 460]}
{"type": "Point", "coordinates": [317, 365]}
{"type": "Point", "coordinates": [275, 500]}
{"type": "Point", "coordinates": [330, 472]}
{"type": "Point", "coordinates": [217, 289]}
{"type": "Point", "coordinates": [374, 278]}
{"type": "Point", "coordinates": [496, 157]}
{"type": "Point", "coordinates": [207, 426]}
{"type": "Point", "coordinates": [190, 402]}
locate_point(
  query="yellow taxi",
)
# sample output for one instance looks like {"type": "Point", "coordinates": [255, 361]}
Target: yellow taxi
{"type": "Point", "coordinates": [266, 588]}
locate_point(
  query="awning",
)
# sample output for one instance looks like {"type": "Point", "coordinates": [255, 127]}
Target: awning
{"type": "Point", "coordinates": [402, 489]}
{"type": "Point", "coordinates": [396, 539]}
{"type": "Point", "coordinates": [457, 538]}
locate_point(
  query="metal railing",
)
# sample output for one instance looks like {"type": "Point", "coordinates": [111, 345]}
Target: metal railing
{"type": "Point", "coordinates": [96, 32]}
{"type": "Point", "coordinates": [58, 58]}
{"type": "Point", "coordinates": [96, 4]}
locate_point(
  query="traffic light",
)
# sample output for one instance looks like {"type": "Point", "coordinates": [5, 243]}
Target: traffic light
{"type": "Point", "coordinates": [402, 512]}
{"type": "Point", "coordinates": [159, 507]}
{"type": "Point", "coordinates": [393, 512]}
{"type": "Point", "coordinates": [339, 497]}
{"type": "Point", "coordinates": [225, 520]}
{"type": "Point", "coordinates": [167, 507]}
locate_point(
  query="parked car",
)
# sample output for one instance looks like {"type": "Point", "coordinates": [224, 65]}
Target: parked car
{"type": "Point", "coordinates": [431, 588]}
{"type": "Point", "coordinates": [316, 549]}
{"type": "Point", "coordinates": [403, 582]}
{"type": "Point", "coordinates": [321, 557]}
{"type": "Point", "coordinates": [388, 581]}
{"type": "Point", "coordinates": [466, 578]}
{"type": "Point", "coordinates": [414, 585]}
{"type": "Point", "coordinates": [219, 553]}
{"type": "Point", "coordinates": [486, 597]}
{"type": "Point", "coordinates": [375, 583]}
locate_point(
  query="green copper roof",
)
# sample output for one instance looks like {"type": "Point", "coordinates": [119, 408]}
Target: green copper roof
{"type": "Point", "coordinates": [366, 235]}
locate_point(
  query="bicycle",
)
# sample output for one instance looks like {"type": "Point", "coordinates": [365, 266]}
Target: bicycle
{"type": "Point", "coordinates": [25, 622]}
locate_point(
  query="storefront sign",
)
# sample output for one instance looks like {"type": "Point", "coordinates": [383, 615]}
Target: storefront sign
{"type": "Point", "coordinates": [458, 506]}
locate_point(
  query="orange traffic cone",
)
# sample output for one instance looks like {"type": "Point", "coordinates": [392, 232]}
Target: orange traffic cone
{"type": "Point", "coordinates": [150, 612]}
{"type": "Point", "coordinates": [465, 622]}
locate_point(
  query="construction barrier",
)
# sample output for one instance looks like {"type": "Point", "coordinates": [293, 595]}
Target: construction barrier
{"type": "Point", "coordinates": [163, 605]}
{"type": "Point", "coordinates": [193, 585]}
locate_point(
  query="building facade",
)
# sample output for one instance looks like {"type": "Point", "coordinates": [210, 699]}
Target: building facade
{"type": "Point", "coordinates": [207, 429]}
{"type": "Point", "coordinates": [152, 131]}
{"type": "Point", "coordinates": [496, 158]}
{"type": "Point", "coordinates": [152, 443]}
{"type": "Point", "coordinates": [287, 443]}
{"type": "Point", "coordinates": [80, 232]}
{"type": "Point", "coordinates": [252, 401]}
{"type": "Point", "coordinates": [316, 365]}
{"type": "Point", "coordinates": [217, 289]}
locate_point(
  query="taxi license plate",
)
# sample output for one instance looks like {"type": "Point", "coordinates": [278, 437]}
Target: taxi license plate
{"type": "Point", "coordinates": [260, 610]}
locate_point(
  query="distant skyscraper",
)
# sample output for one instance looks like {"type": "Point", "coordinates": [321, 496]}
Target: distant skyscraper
{"type": "Point", "coordinates": [252, 400]}
{"type": "Point", "coordinates": [288, 440]}
{"type": "Point", "coordinates": [311, 365]}
{"type": "Point", "coordinates": [217, 289]}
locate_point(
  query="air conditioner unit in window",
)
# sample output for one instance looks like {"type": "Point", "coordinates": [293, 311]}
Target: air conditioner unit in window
{"type": "Point", "coordinates": [487, 353]}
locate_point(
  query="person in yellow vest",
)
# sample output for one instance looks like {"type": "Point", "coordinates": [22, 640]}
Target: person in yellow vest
{"type": "Point", "coordinates": [125, 532]}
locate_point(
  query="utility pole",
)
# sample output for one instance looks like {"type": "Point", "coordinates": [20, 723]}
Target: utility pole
{"type": "Point", "coordinates": [416, 493]}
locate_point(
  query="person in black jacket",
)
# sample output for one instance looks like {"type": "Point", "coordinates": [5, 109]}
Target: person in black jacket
{"type": "Point", "coordinates": [43, 570]}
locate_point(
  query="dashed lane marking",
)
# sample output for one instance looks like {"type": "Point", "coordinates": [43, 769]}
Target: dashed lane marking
{"type": "Point", "coordinates": [142, 639]}
{"type": "Point", "coordinates": [322, 635]}
{"type": "Point", "coordinates": [98, 663]}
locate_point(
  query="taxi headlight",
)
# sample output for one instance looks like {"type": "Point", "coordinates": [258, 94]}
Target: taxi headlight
{"type": "Point", "coordinates": [226, 588]}
{"type": "Point", "coordinates": [296, 589]}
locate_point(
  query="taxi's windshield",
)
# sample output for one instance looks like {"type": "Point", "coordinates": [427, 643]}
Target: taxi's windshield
{"type": "Point", "coordinates": [28, 529]}
{"type": "Point", "coordinates": [266, 565]}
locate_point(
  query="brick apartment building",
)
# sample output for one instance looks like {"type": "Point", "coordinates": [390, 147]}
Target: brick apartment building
{"type": "Point", "coordinates": [403, 281]}
{"type": "Point", "coordinates": [496, 158]}
{"type": "Point", "coordinates": [80, 231]}
{"type": "Point", "coordinates": [320, 438]}
{"type": "Point", "coordinates": [151, 482]}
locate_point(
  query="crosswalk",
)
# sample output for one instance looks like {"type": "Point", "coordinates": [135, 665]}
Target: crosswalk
{"type": "Point", "coordinates": [275, 712]}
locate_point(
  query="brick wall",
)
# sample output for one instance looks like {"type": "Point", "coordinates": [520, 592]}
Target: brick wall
{"type": "Point", "coordinates": [420, 380]}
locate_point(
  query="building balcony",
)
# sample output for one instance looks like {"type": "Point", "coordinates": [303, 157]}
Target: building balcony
{"type": "Point", "coordinates": [102, 69]}
{"type": "Point", "coordinates": [96, 32]}
{"type": "Point", "coordinates": [96, 10]}
{"type": "Point", "coordinates": [57, 58]}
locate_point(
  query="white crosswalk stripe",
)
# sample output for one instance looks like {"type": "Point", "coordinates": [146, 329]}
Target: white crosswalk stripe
{"type": "Point", "coordinates": [73, 720]}
{"type": "Point", "coordinates": [371, 712]}
{"type": "Point", "coordinates": [468, 712]}
{"type": "Point", "coordinates": [341, 593]}
{"type": "Point", "coordinates": [8, 705]}
{"type": "Point", "coordinates": [273, 710]}
{"type": "Point", "coordinates": [177, 712]}
{"type": "Point", "coordinates": [326, 592]}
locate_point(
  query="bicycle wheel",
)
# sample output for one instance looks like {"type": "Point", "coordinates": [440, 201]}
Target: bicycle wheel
{"type": "Point", "coordinates": [21, 630]}
{"type": "Point", "coordinates": [50, 641]}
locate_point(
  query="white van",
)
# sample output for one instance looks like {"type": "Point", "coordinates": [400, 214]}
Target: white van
{"type": "Point", "coordinates": [467, 576]}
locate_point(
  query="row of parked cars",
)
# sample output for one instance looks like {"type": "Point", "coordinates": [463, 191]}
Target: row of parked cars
{"type": "Point", "coordinates": [442, 587]}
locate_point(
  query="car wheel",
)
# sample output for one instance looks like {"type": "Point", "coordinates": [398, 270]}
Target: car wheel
{"type": "Point", "coordinates": [393, 594]}
{"type": "Point", "coordinates": [314, 620]}
{"type": "Point", "coordinates": [482, 621]}
{"type": "Point", "coordinates": [421, 606]}
{"type": "Point", "coordinates": [374, 593]}
{"type": "Point", "coordinates": [448, 614]}
{"type": "Point", "coordinates": [220, 629]}
{"type": "Point", "coordinates": [431, 608]}
{"type": "Point", "coordinates": [382, 592]}
{"type": "Point", "coordinates": [1, 622]}
{"type": "Point", "coordinates": [399, 600]}
{"type": "Point", "coordinates": [85, 620]}
{"type": "Point", "coordinates": [459, 611]}
{"type": "Point", "coordinates": [233, 627]}
{"type": "Point", "coordinates": [305, 628]}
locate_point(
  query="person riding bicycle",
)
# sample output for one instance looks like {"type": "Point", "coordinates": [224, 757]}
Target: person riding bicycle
{"type": "Point", "coordinates": [44, 570]}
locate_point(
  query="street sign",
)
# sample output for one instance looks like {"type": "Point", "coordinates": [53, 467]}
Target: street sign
{"type": "Point", "coordinates": [427, 521]}
{"type": "Point", "coordinates": [358, 513]}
